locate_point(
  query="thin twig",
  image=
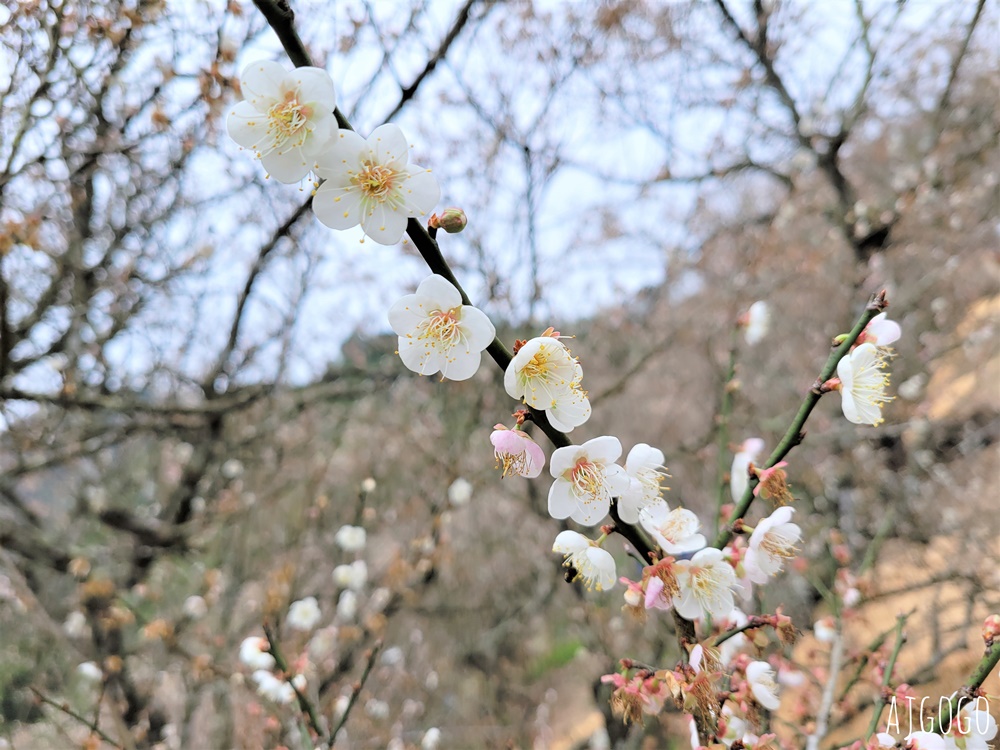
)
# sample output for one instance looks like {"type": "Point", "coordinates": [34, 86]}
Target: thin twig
{"type": "Point", "coordinates": [64, 708]}
{"type": "Point", "coordinates": [826, 704]}
{"type": "Point", "coordinates": [968, 691]}
{"type": "Point", "coordinates": [305, 704]}
{"type": "Point", "coordinates": [356, 691]}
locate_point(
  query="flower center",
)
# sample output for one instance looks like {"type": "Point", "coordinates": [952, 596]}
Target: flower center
{"type": "Point", "coordinates": [287, 118]}
{"type": "Point", "coordinates": [676, 527]}
{"type": "Point", "coordinates": [375, 180]}
{"type": "Point", "coordinates": [588, 479]}
{"type": "Point", "coordinates": [537, 366]}
{"type": "Point", "coordinates": [776, 545]}
{"type": "Point", "coordinates": [442, 325]}
{"type": "Point", "coordinates": [514, 464]}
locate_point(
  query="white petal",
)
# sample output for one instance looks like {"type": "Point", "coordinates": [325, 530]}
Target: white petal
{"type": "Point", "coordinates": [845, 372]}
{"type": "Point", "coordinates": [420, 192]}
{"type": "Point", "coordinates": [440, 292]}
{"type": "Point", "coordinates": [643, 456]}
{"type": "Point", "coordinates": [564, 459]}
{"type": "Point", "coordinates": [568, 542]}
{"type": "Point", "coordinates": [603, 568]}
{"type": "Point", "coordinates": [863, 357]}
{"type": "Point", "coordinates": [618, 481]}
{"type": "Point", "coordinates": [288, 167]}
{"type": "Point", "coordinates": [848, 406]}
{"type": "Point", "coordinates": [263, 83]}
{"type": "Point", "coordinates": [478, 328]}
{"type": "Point", "coordinates": [405, 315]}
{"type": "Point", "coordinates": [420, 357]}
{"type": "Point", "coordinates": [342, 155]}
{"type": "Point", "coordinates": [591, 512]}
{"type": "Point", "coordinates": [570, 411]}
{"type": "Point", "coordinates": [867, 413]}
{"type": "Point", "coordinates": [383, 224]}
{"type": "Point", "coordinates": [315, 88]}
{"type": "Point", "coordinates": [461, 366]}
{"type": "Point", "coordinates": [605, 449]}
{"type": "Point", "coordinates": [246, 125]}
{"type": "Point", "coordinates": [336, 207]}
{"type": "Point", "coordinates": [562, 501]}
{"type": "Point", "coordinates": [389, 146]}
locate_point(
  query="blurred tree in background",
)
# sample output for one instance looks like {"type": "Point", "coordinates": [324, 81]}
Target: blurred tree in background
{"type": "Point", "coordinates": [196, 391]}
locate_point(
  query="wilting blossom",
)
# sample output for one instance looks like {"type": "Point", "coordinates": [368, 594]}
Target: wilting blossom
{"type": "Point", "coordinates": [516, 453]}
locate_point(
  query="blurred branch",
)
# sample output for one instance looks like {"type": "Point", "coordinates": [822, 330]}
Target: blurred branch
{"type": "Point", "coordinates": [91, 725]}
{"type": "Point", "coordinates": [305, 705]}
{"type": "Point", "coordinates": [826, 704]}
{"type": "Point", "coordinates": [355, 692]}
{"type": "Point", "coordinates": [883, 697]}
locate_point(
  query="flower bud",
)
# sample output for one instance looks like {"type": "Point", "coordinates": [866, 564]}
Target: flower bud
{"type": "Point", "coordinates": [991, 629]}
{"type": "Point", "coordinates": [451, 220]}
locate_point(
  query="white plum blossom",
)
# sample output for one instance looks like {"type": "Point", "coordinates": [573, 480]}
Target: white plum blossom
{"type": "Point", "coordinates": [272, 688]}
{"type": "Point", "coordinates": [594, 565]}
{"type": "Point", "coordinates": [758, 322]}
{"type": "Point", "coordinates": [353, 576]}
{"type": "Point", "coordinates": [286, 117]}
{"type": "Point", "coordinates": [347, 605]}
{"type": "Point", "coordinates": [195, 607]}
{"type": "Point", "coordinates": [644, 465]}
{"type": "Point", "coordinates": [431, 739]}
{"type": "Point", "coordinates": [675, 531]}
{"type": "Point", "coordinates": [368, 485]}
{"type": "Point", "coordinates": [351, 538]}
{"type": "Point", "coordinates": [76, 624]}
{"type": "Point", "coordinates": [862, 385]}
{"type": "Point", "coordinates": [516, 453]}
{"type": "Point", "coordinates": [749, 450]}
{"type": "Point", "coordinates": [880, 331]}
{"type": "Point", "coordinates": [90, 672]}
{"type": "Point", "coordinates": [304, 614]}
{"type": "Point", "coordinates": [254, 653]}
{"type": "Point", "coordinates": [544, 375]}
{"type": "Point", "coordinates": [437, 333]}
{"type": "Point", "coordinates": [586, 478]}
{"type": "Point", "coordinates": [705, 584]}
{"type": "Point", "coordinates": [972, 729]}
{"type": "Point", "coordinates": [371, 182]}
{"type": "Point", "coordinates": [323, 643]}
{"type": "Point", "coordinates": [771, 543]}
{"type": "Point", "coordinates": [825, 629]}
{"type": "Point", "coordinates": [761, 677]}
{"type": "Point", "coordinates": [460, 492]}
{"type": "Point", "coordinates": [739, 642]}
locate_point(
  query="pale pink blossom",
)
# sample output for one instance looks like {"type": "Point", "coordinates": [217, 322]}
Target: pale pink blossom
{"type": "Point", "coordinates": [516, 452]}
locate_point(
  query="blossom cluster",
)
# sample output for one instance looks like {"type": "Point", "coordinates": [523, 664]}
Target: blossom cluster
{"type": "Point", "coordinates": [289, 119]}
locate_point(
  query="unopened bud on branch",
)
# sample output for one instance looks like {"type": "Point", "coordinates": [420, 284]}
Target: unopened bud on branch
{"type": "Point", "coordinates": [451, 220]}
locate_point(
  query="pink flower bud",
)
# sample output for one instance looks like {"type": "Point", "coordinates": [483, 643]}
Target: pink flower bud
{"type": "Point", "coordinates": [451, 220]}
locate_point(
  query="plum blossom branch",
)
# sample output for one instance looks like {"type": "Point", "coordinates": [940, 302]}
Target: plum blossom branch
{"type": "Point", "coordinates": [982, 670]}
{"type": "Point", "coordinates": [794, 435]}
{"type": "Point", "coordinates": [281, 18]}
{"type": "Point", "coordinates": [91, 725]}
{"type": "Point", "coordinates": [882, 699]}
{"type": "Point", "coordinates": [305, 704]}
{"type": "Point", "coordinates": [372, 654]}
